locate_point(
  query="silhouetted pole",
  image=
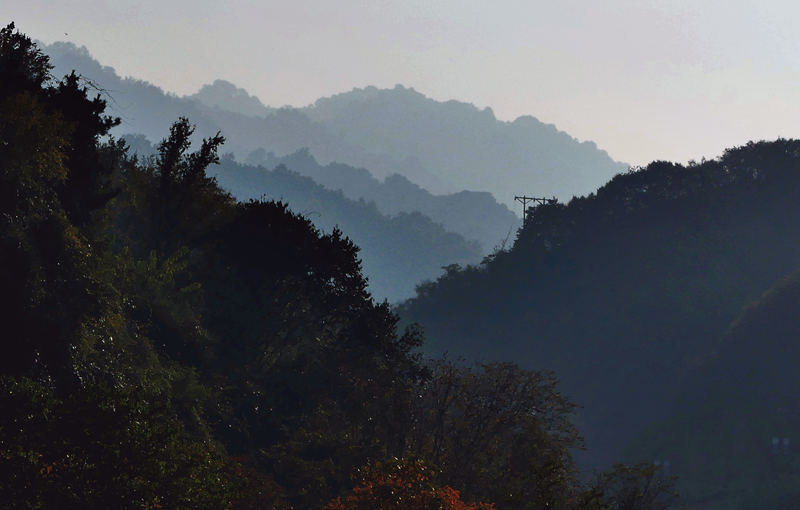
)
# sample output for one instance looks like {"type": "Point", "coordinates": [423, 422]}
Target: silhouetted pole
{"type": "Point", "coordinates": [525, 200]}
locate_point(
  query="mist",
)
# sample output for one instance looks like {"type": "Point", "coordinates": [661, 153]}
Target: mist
{"type": "Point", "coordinates": [384, 255]}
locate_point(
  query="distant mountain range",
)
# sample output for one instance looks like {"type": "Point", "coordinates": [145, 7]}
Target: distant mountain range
{"type": "Point", "coordinates": [398, 250]}
{"type": "Point", "coordinates": [444, 147]}
{"type": "Point", "coordinates": [227, 97]}
{"type": "Point", "coordinates": [408, 158]}
{"type": "Point", "coordinates": [465, 147]}
{"type": "Point", "coordinates": [475, 215]}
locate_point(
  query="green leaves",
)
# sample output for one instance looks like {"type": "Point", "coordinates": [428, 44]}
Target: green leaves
{"type": "Point", "coordinates": [106, 448]}
{"type": "Point", "coordinates": [497, 432]}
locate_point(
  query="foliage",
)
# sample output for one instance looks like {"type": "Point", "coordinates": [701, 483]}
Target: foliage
{"type": "Point", "coordinates": [499, 432]}
{"type": "Point", "coordinates": [109, 448]}
{"type": "Point", "coordinates": [48, 291]}
{"type": "Point", "coordinates": [639, 487]}
{"type": "Point", "coordinates": [401, 484]}
{"type": "Point", "coordinates": [94, 415]}
{"type": "Point", "coordinates": [24, 66]}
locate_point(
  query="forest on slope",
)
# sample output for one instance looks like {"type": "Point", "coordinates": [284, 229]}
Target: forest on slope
{"type": "Point", "coordinates": [628, 294]}
{"type": "Point", "coordinates": [733, 428]}
{"type": "Point", "coordinates": [445, 147]}
{"type": "Point", "coordinates": [160, 352]}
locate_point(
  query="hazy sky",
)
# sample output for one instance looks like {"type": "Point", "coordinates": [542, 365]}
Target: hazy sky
{"type": "Point", "coordinates": [645, 79]}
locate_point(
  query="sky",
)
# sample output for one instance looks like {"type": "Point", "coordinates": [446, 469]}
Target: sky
{"type": "Point", "coordinates": [644, 79]}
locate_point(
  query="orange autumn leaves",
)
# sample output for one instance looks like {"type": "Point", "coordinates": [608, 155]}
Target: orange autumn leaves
{"type": "Point", "coordinates": [405, 485]}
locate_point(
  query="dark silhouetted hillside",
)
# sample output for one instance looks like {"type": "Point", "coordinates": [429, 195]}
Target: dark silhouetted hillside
{"type": "Point", "coordinates": [732, 435]}
{"type": "Point", "coordinates": [625, 291]}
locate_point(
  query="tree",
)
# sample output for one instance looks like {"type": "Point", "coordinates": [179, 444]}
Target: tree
{"type": "Point", "coordinates": [94, 416]}
{"type": "Point", "coordinates": [52, 178]}
{"type": "Point", "coordinates": [23, 65]}
{"type": "Point", "coordinates": [107, 447]}
{"type": "Point", "coordinates": [44, 276]}
{"type": "Point", "coordinates": [497, 431]}
{"type": "Point", "coordinates": [639, 487]}
{"type": "Point", "coordinates": [318, 379]}
{"type": "Point", "coordinates": [401, 485]}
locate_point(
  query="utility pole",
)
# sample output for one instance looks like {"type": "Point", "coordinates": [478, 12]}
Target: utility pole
{"type": "Point", "coordinates": [525, 200]}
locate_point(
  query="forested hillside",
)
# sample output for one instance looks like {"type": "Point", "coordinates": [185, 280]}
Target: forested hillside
{"type": "Point", "coordinates": [627, 291]}
{"type": "Point", "coordinates": [732, 434]}
{"type": "Point", "coordinates": [166, 346]}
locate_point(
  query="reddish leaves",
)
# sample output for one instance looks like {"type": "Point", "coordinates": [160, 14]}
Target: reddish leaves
{"type": "Point", "coordinates": [402, 485]}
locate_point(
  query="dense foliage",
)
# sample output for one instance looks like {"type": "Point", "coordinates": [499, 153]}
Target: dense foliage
{"type": "Point", "coordinates": [166, 346]}
{"type": "Point", "coordinates": [402, 485]}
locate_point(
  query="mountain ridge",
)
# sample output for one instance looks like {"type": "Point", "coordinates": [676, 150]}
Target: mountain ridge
{"type": "Point", "coordinates": [226, 96]}
{"type": "Point", "coordinates": [475, 215]}
{"type": "Point", "coordinates": [397, 251]}
{"type": "Point", "coordinates": [442, 146]}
